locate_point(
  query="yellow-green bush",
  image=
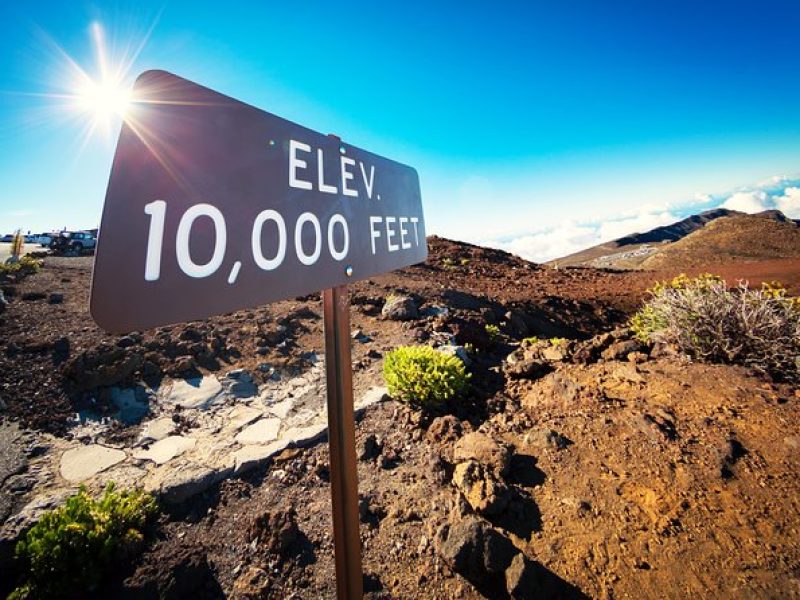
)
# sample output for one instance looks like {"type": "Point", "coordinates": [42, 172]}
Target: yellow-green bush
{"type": "Point", "coordinates": [706, 319]}
{"type": "Point", "coordinates": [424, 377]}
{"type": "Point", "coordinates": [25, 265]}
{"type": "Point", "coordinates": [72, 546]}
{"type": "Point", "coordinates": [493, 331]}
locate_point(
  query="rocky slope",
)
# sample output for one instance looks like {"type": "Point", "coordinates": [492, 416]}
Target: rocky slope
{"type": "Point", "coordinates": [732, 239]}
{"type": "Point", "coordinates": [581, 464]}
{"type": "Point", "coordinates": [715, 237]}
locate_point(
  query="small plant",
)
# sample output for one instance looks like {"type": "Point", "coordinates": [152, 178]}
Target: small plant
{"type": "Point", "coordinates": [26, 265]}
{"type": "Point", "coordinates": [493, 331]}
{"type": "Point", "coordinates": [448, 263]}
{"type": "Point", "coordinates": [557, 341]}
{"type": "Point", "coordinates": [424, 377]}
{"type": "Point", "coordinates": [531, 340]}
{"type": "Point", "coordinates": [72, 546]}
{"type": "Point", "coordinates": [703, 317]}
{"type": "Point", "coordinates": [464, 262]}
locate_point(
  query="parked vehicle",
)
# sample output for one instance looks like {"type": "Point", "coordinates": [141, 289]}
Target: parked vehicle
{"type": "Point", "coordinates": [73, 242]}
{"type": "Point", "coordinates": [6, 239]}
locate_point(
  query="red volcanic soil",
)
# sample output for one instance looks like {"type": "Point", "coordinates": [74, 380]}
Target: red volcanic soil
{"type": "Point", "coordinates": [785, 270]}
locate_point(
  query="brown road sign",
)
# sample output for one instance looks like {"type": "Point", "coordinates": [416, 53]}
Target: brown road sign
{"type": "Point", "coordinates": [214, 205]}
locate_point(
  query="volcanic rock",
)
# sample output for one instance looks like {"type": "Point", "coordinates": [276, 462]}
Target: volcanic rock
{"type": "Point", "coordinates": [400, 308]}
{"type": "Point", "coordinates": [482, 491]}
{"type": "Point", "coordinates": [472, 548]}
{"type": "Point", "coordinates": [521, 579]}
{"type": "Point", "coordinates": [493, 455]}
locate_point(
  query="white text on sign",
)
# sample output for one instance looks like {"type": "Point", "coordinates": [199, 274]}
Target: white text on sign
{"type": "Point", "coordinates": [299, 156]}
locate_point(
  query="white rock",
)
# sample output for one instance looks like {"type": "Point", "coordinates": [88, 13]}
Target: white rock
{"type": "Point", "coordinates": [82, 463]}
{"type": "Point", "coordinates": [181, 484]}
{"type": "Point", "coordinates": [213, 451]}
{"type": "Point", "coordinates": [198, 392]}
{"type": "Point", "coordinates": [240, 416]}
{"type": "Point", "coordinates": [305, 436]}
{"type": "Point", "coordinates": [260, 432]}
{"type": "Point", "coordinates": [372, 396]}
{"type": "Point", "coordinates": [157, 429]}
{"type": "Point", "coordinates": [251, 457]}
{"type": "Point", "coordinates": [165, 450]}
{"type": "Point", "coordinates": [281, 409]}
{"type": "Point", "coordinates": [305, 416]}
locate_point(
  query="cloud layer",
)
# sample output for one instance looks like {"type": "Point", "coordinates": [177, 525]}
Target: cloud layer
{"type": "Point", "coordinates": [572, 236]}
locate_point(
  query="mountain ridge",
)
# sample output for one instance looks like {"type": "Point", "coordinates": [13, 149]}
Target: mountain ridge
{"type": "Point", "coordinates": [636, 250]}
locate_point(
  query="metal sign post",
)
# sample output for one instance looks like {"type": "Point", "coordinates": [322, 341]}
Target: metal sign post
{"type": "Point", "coordinates": [342, 443]}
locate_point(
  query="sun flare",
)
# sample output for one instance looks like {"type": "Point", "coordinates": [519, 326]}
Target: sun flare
{"type": "Point", "coordinates": [104, 99]}
{"type": "Point", "coordinates": [94, 94]}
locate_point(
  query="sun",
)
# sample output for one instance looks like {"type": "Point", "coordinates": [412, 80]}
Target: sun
{"type": "Point", "coordinates": [103, 99]}
{"type": "Point", "coordinates": [106, 95]}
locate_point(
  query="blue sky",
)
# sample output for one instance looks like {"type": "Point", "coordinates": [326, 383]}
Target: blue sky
{"type": "Point", "coordinates": [527, 122]}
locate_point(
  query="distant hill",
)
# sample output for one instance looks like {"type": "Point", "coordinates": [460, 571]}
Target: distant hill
{"type": "Point", "coordinates": [732, 239]}
{"type": "Point", "coordinates": [766, 235]}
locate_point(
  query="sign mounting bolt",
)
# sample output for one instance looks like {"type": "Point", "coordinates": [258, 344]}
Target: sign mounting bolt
{"type": "Point", "coordinates": [348, 270]}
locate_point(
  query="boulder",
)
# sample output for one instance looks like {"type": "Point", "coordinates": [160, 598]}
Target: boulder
{"type": "Point", "coordinates": [620, 350]}
{"type": "Point", "coordinates": [104, 369]}
{"type": "Point", "coordinates": [526, 368]}
{"type": "Point", "coordinates": [482, 491]}
{"type": "Point", "coordinates": [275, 532]}
{"type": "Point", "coordinates": [126, 341]}
{"type": "Point", "coordinates": [557, 386]}
{"type": "Point", "coordinates": [494, 455]}
{"type": "Point", "coordinates": [472, 548]}
{"type": "Point", "coordinates": [518, 323]}
{"type": "Point", "coordinates": [445, 429]}
{"type": "Point", "coordinates": [3, 303]}
{"type": "Point", "coordinates": [369, 448]}
{"type": "Point", "coordinates": [400, 308]}
{"type": "Point", "coordinates": [522, 581]}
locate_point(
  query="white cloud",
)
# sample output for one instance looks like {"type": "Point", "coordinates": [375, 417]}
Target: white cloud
{"type": "Point", "coordinates": [774, 181]}
{"type": "Point", "coordinates": [550, 243]}
{"type": "Point", "coordinates": [702, 198]}
{"type": "Point", "coordinates": [789, 203]}
{"type": "Point", "coordinates": [570, 237]}
{"type": "Point", "coordinates": [553, 238]}
{"type": "Point", "coordinates": [611, 230]}
{"type": "Point", "coordinates": [749, 202]}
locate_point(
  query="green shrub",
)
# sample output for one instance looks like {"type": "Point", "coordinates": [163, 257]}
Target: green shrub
{"type": "Point", "coordinates": [72, 546]}
{"type": "Point", "coordinates": [493, 331]}
{"type": "Point", "coordinates": [703, 317]}
{"type": "Point", "coordinates": [531, 340]}
{"type": "Point", "coordinates": [424, 377]}
{"type": "Point", "coordinates": [25, 265]}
